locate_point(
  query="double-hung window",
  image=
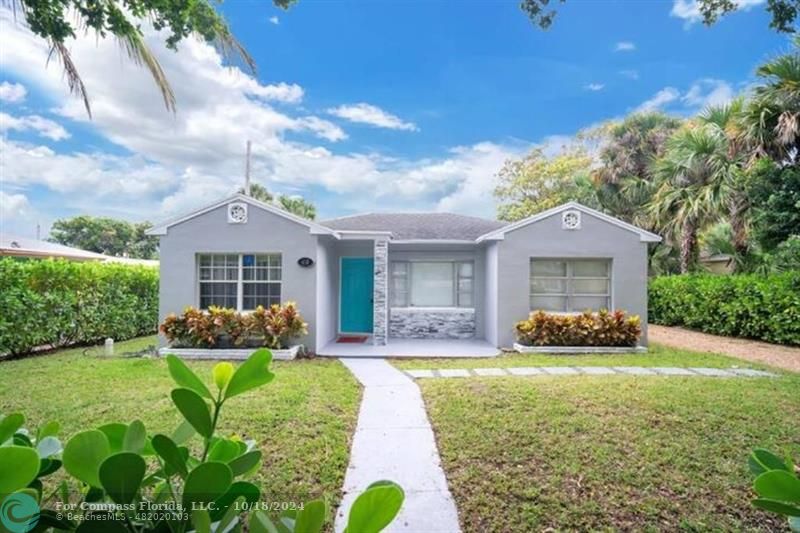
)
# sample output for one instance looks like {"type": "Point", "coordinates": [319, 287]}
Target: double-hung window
{"type": "Point", "coordinates": [432, 283]}
{"type": "Point", "coordinates": [570, 285]}
{"type": "Point", "coordinates": [239, 281]}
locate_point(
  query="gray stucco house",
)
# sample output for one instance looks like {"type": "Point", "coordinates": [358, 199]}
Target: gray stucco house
{"type": "Point", "coordinates": [403, 275]}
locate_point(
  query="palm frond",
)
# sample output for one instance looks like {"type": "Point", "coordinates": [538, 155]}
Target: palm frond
{"type": "Point", "coordinates": [74, 81]}
{"type": "Point", "coordinates": [139, 52]}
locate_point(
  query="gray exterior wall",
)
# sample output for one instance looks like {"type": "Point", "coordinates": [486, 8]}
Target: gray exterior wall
{"type": "Point", "coordinates": [327, 290]}
{"type": "Point", "coordinates": [546, 239]}
{"type": "Point", "coordinates": [490, 305]}
{"type": "Point", "coordinates": [264, 232]}
{"type": "Point", "coordinates": [441, 252]}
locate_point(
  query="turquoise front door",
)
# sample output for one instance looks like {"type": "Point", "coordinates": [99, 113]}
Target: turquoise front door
{"type": "Point", "coordinates": [355, 301]}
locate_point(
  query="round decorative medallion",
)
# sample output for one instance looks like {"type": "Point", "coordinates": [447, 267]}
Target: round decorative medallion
{"type": "Point", "coordinates": [237, 213]}
{"type": "Point", "coordinates": [571, 220]}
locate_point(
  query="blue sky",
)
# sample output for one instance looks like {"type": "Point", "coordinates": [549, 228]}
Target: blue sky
{"type": "Point", "coordinates": [356, 105]}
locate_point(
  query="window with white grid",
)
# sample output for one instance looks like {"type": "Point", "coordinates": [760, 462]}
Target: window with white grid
{"type": "Point", "coordinates": [239, 281]}
{"type": "Point", "coordinates": [570, 285]}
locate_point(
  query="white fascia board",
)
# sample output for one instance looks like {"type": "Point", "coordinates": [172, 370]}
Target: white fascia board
{"type": "Point", "coordinates": [349, 235]}
{"type": "Point", "coordinates": [499, 234]}
{"type": "Point", "coordinates": [315, 229]}
{"type": "Point", "coordinates": [433, 241]}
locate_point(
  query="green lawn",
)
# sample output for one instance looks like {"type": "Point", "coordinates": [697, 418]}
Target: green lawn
{"type": "Point", "coordinates": [609, 453]}
{"type": "Point", "coordinates": [657, 355]}
{"type": "Point", "coordinates": [303, 420]}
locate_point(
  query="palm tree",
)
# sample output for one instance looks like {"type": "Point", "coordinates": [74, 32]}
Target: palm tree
{"type": "Point", "coordinates": [729, 120]}
{"type": "Point", "coordinates": [57, 22]}
{"type": "Point", "coordinates": [293, 204]}
{"type": "Point", "coordinates": [299, 206]}
{"type": "Point", "coordinates": [624, 180]}
{"type": "Point", "coordinates": [693, 180]}
{"type": "Point", "coordinates": [772, 116]}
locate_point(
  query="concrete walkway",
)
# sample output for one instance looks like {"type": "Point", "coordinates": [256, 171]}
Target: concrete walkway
{"type": "Point", "coordinates": [394, 441]}
{"type": "Point", "coordinates": [590, 370]}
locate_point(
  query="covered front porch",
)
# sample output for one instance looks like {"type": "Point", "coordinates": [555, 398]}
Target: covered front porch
{"type": "Point", "coordinates": [385, 298]}
{"type": "Point", "coordinates": [462, 348]}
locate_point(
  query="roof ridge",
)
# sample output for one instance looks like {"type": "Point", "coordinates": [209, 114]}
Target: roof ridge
{"type": "Point", "coordinates": [396, 213]}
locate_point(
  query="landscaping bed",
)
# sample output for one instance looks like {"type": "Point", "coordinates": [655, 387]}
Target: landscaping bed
{"type": "Point", "coordinates": [303, 421]}
{"type": "Point", "coordinates": [608, 452]}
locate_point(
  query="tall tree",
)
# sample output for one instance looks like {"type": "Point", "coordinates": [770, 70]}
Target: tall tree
{"type": "Point", "coordinates": [727, 120]}
{"type": "Point", "coordinates": [106, 236]}
{"type": "Point", "coordinates": [260, 193]}
{"type": "Point", "coordinates": [772, 116]}
{"type": "Point", "coordinates": [57, 21]}
{"type": "Point", "coordinates": [299, 206]}
{"type": "Point", "coordinates": [784, 13]}
{"type": "Point", "coordinates": [624, 177]}
{"type": "Point", "coordinates": [694, 179]}
{"type": "Point", "coordinates": [538, 182]}
{"type": "Point", "coordinates": [775, 195]}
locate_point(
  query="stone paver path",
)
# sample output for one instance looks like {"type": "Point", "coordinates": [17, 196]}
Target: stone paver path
{"type": "Point", "coordinates": [786, 357]}
{"type": "Point", "coordinates": [590, 370]}
{"type": "Point", "coordinates": [394, 440]}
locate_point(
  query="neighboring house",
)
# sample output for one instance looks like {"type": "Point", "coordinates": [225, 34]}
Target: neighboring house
{"type": "Point", "coordinates": [13, 246]}
{"type": "Point", "coordinates": [403, 275]}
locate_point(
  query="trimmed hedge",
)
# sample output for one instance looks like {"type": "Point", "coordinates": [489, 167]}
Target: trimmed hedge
{"type": "Point", "coordinates": [58, 303]}
{"type": "Point", "coordinates": [747, 305]}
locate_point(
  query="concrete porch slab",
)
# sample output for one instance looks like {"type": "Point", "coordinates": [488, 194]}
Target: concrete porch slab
{"type": "Point", "coordinates": [413, 348]}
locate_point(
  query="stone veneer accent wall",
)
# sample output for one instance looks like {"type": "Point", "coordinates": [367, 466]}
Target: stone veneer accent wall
{"type": "Point", "coordinates": [432, 323]}
{"type": "Point", "coordinates": [380, 309]}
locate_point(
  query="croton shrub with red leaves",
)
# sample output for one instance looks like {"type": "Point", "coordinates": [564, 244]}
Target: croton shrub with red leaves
{"type": "Point", "coordinates": [273, 327]}
{"type": "Point", "coordinates": [586, 329]}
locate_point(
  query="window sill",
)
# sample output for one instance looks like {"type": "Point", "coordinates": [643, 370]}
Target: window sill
{"type": "Point", "coordinates": [561, 313]}
{"type": "Point", "coordinates": [433, 309]}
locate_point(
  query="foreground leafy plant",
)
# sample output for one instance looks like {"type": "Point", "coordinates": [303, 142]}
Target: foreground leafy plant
{"type": "Point", "coordinates": [193, 479]}
{"type": "Point", "coordinates": [272, 327]}
{"type": "Point", "coordinates": [777, 485]}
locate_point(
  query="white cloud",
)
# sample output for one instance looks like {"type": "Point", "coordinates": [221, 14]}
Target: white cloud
{"type": "Point", "coordinates": [12, 92]}
{"type": "Point", "coordinates": [630, 74]}
{"type": "Point", "coordinates": [364, 113]}
{"type": "Point", "coordinates": [701, 94]}
{"type": "Point", "coordinates": [282, 92]}
{"type": "Point", "coordinates": [165, 163]}
{"type": "Point", "coordinates": [13, 205]}
{"type": "Point", "coordinates": [17, 216]}
{"type": "Point", "coordinates": [660, 99]}
{"type": "Point", "coordinates": [689, 10]}
{"type": "Point", "coordinates": [274, 20]}
{"type": "Point", "coordinates": [594, 87]}
{"type": "Point", "coordinates": [624, 46]}
{"type": "Point", "coordinates": [42, 126]}
{"type": "Point", "coordinates": [708, 92]}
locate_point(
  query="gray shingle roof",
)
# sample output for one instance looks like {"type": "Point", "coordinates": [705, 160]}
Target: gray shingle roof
{"type": "Point", "coordinates": [406, 226]}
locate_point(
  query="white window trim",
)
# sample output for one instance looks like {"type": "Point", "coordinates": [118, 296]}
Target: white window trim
{"type": "Point", "coordinates": [569, 295]}
{"type": "Point", "coordinates": [240, 277]}
{"type": "Point", "coordinates": [409, 279]}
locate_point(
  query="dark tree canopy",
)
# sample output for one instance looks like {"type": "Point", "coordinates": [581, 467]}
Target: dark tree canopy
{"type": "Point", "coordinates": [775, 195]}
{"type": "Point", "coordinates": [107, 236]}
{"type": "Point", "coordinates": [784, 12]}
